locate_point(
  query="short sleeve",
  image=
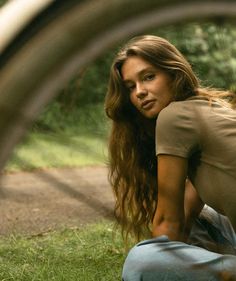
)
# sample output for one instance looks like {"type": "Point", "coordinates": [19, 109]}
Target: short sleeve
{"type": "Point", "coordinates": [177, 130]}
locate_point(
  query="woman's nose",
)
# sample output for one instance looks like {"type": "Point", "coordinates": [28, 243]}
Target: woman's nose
{"type": "Point", "coordinates": [141, 91]}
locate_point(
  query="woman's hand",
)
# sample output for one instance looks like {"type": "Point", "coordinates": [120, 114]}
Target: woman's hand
{"type": "Point", "coordinates": [173, 229]}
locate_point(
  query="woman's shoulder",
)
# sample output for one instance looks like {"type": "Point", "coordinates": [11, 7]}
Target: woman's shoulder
{"type": "Point", "coordinates": [183, 116]}
{"type": "Point", "coordinates": [189, 108]}
{"type": "Point", "coordinates": [182, 109]}
{"type": "Point", "coordinates": [177, 129]}
{"type": "Point", "coordinates": [189, 103]}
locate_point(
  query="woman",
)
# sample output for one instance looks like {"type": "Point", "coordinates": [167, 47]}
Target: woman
{"type": "Point", "coordinates": [172, 150]}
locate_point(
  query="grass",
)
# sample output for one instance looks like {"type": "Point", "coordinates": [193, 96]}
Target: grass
{"type": "Point", "coordinates": [73, 254]}
{"type": "Point", "coordinates": [75, 139]}
{"type": "Point", "coordinates": [60, 149]}
{"type": "Point", "coordinates": [86, 254]}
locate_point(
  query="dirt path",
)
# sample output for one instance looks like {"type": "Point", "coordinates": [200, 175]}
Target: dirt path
{"type": "Point", "coordinates": [36, 202]}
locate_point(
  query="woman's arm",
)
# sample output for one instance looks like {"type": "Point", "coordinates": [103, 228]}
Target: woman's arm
{"type": "Point", "coordinates": [193, 205]}
{"type": "Point", "coordinates": [176, 205]}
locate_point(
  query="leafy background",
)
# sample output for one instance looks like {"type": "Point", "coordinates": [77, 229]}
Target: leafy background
{"type": "Point", "coordinates": [75, 118]}
{"type": "Point", "coordinates": [210, 48]}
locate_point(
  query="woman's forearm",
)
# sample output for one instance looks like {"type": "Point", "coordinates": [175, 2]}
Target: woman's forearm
{"type": "Point", "coordinates": [192, 205]}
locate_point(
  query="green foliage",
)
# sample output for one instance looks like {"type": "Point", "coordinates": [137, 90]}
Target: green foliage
{"type": "Point", "coordinates": [75, 254]}
{"type": "Point", "coordinates": [210, 48]}
{"type": "Point", "coordinates": [89, 86]}
{"type": "Point", "coordinates": [63, 139]}
{"type": "Point", "coordinates": [2, 2]}
{"type": "Point", "coordinates": [78, 109]}
{"type": "Point", "coordinates": [86, 118]}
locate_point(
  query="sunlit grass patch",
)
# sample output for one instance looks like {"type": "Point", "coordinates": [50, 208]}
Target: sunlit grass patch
{"type": "Point", "coordinates": [73, 254]}
{"type": "Point", "coordinates": [60, 149]}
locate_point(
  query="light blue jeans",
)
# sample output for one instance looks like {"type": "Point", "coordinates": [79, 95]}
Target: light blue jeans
{"type": "Point", "coordinates": [209, 255]}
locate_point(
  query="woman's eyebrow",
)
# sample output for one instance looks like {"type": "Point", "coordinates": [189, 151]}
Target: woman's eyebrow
{"type": "Point", "coordinates": [140, 73]}
{"type": "Point", "coordinates": [146, 69]}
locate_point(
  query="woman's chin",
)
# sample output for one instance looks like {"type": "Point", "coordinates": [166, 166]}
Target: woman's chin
{"type": "Point", "coordinates": [151, 114]}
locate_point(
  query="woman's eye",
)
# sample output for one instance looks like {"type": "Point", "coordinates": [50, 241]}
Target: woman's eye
{"type": "Point", "coordinates": [149, 77]}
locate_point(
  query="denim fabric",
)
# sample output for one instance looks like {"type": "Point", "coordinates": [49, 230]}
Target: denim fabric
{"type": "Point", "coordinates": [210, 254]}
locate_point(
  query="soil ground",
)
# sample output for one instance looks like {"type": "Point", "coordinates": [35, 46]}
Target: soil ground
{"type": "Point", "coordinates": [32, 203]}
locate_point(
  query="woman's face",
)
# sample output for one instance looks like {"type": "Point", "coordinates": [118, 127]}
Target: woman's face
{"type": "Point", "coordinates": [149, 87]}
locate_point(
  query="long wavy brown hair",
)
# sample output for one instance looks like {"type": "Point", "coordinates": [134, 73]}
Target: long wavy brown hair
{"type": "Point", "coordinates": [132, 159]}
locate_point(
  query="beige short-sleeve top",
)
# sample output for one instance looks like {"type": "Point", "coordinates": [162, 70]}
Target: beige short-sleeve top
{"type": "Point", "coordinates": [205, 134]}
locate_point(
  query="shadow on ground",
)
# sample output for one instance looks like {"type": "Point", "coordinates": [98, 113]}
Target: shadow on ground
{"type": "Point", "coordinates": [40, 201]}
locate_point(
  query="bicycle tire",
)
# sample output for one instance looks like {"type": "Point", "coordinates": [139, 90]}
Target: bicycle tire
{"type": "Point", "coordinates": [64, 38]}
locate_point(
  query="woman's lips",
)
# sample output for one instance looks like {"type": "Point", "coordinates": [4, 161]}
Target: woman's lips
{"type": "Point", "coordinates": [148, 104]}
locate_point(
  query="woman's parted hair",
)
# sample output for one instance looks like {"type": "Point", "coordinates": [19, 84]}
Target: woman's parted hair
{"type": "Point", "coordinates": [132, 159]}
{"type": "Point", "coordinates": [159, 53]}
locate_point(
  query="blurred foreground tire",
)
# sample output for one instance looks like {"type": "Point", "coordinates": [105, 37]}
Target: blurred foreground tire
{"type": "Point", "coordinates": [55, 39]}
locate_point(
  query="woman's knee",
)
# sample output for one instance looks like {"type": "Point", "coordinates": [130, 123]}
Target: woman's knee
{"type": "Point", "coordinates": [175, 261]}
{"type": "Point", "coordinates": [136, 264]}
{"type": "Point", "coordinates": [146, 261]}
